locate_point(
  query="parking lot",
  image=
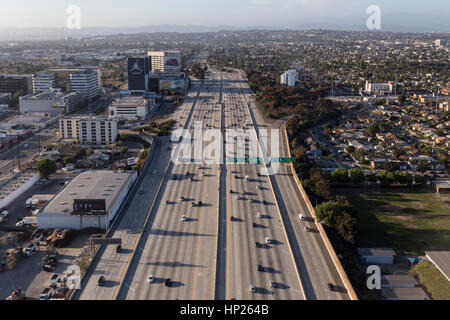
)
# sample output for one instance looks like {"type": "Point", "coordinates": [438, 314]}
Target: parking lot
{"type": "Point", "coordinates": [17, 208]}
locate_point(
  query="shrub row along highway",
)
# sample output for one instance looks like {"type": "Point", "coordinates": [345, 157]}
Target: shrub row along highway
{"type": "Point", "coordinates": [217, 231]}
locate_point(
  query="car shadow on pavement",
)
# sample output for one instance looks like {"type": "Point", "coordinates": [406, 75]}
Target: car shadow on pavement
{"type": "Point", "coordinates": [278, 285]}
{"type": "Point", "coordinates": [176, 284]}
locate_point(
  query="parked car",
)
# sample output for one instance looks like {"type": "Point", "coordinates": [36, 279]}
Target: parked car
{"type": "Point", "coordinates": [46, 294]}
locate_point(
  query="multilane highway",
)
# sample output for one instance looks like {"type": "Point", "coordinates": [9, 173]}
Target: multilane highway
{"type": "Point", "coordinates": [224, 230]}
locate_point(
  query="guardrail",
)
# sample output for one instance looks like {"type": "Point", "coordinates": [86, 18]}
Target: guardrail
{"type": "Point", "coordinates": [323, 234]}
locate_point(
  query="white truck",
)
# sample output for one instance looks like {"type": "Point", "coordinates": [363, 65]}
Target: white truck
{"type": "Point", "coordinates": [27, 221]}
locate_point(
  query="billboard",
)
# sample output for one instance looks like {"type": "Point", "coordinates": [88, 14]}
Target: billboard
{"type": "Point", "coordinates": [138, 72]}
{"type": "Point", "coordinates": [171, 84]}
{"type": "Point", "coordinates": [89, 206]}
{"type": "Point", "coordinates": [136, 67]}
{"type": "Point", "coordinates": [131, 161]}
{"type": "Point", "coordinates": [172, 61]}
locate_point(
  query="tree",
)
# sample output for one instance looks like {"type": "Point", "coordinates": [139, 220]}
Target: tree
{"type": "Point", "coordinates": [340, 176]}
{"type": "Point", "coordinates": [423, 166]}
{"type": "Point", "coordinates": [391, 166]}
{"type": "Point", "coordinates": [386, 178]}
{"type": "Point", "coordinates": [346, 227]}
{"type": "Point", "coordinates": [46, 167]}
{"type": "Point", "coordinates": [420, 179]}
{"type": "Point", "coordinates": [321, 185]}
{"type": "Point", "coordinates": [403, 178]}
{"type": "Point", "coordinates": [373, 129]}
{"type": "Point", "coordinates": [328, 212]}
{"type": "Point", "coordinates": [357, 175]}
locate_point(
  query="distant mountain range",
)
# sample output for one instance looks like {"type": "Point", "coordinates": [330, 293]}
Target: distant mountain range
{"type": "Point", "coordinates": [419, 23]}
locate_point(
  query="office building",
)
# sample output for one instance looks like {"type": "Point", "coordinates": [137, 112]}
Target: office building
{"type": "Point", "coordinates": [4, 98]}
{"type": "Point", "coordinates": [289, 78]}
{"type": "Point", "coordinates": [92, 130]}
{"type": "Point", "coordinates": [43, 82]}
{"type": "Point", "coordinates": [85, 83]}
{"type": "Point", "coordinates": [168, 62]}
{"type": "Point", "coordinates": [132, 107]}
{"type": "Point", "coordinates": [139, 73]}
{"type": "Point", "coordinates": [382, 88]}
{"type": "Point", "coordinates": [91, 200]}
{"type": "Point", "coordinates": [51, 102]}
{"type": "Point", "coordinates": [14, 83]}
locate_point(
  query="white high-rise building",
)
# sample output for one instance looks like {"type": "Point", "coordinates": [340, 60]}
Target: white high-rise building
{"type": "Point", "coordinates": [85, 83]}
{"type": "Point", "coordinates": [43, 82]}
{"type": "Point", "coordinates": [165, 61]}
{"type": "Point", "coordinates": [93, 130]}
{"type": "Point", "coordinates": [289, 78]}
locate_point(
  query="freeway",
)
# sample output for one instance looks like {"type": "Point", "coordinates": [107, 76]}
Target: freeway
{"type": "Point", "coordinates": [313, 261]}
{"type": "Point", "coordinates": [180, 243]}
{"type": "Point", "coordinates": [113, 265]}
{"type": "Point", "coordinates": [253, 217]}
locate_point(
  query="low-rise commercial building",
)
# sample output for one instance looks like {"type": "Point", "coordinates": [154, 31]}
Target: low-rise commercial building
{"type": "Point", "coordinates": [376, 255]}
{"type": "Point", "coordinates": [90, 200]}
{"type": "Point", "coordinates": [50, 102]}
{"type": "Point", "coordinates": [132, 107]}
{"type": "Point", "coordinates": [92, 130]}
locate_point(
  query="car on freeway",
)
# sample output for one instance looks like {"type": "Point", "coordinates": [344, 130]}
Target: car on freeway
{"type": "Point", "coordinates": [238, 197]}
{"type": "Point", "coordinates": [54, 279]}
{"type": "Point", "coordinates": [259, 187]}
{"type": "Point", "coordinates": [252, 288]}
{"type": "Point", "coordinates": [203, 174]}
{"type": "Point", "coordinates": [307, 229]}
{"type": "Point", "coordinates": [151, 279]}
{"type": "Point", "coordinates": [260, 215]}
{"type": "Point", "coordinates": [330, 286]}
{"type": "Point", "coordinates": [301, 216]}
{"type": "Point", "coordinates": [183, 218]}
{"type": "Point", "coordinates": [265, 202]}
{"type": "Point", "coordinates": [46, 294]}
{"type": "Point", "coordinates": [118, 248]}
{"type": "Point", "coordinates": [268, 240]}
{"type": "Point", "coordinates": [167, 202]}
{"type": "Point", "coordinates": [259, 268]}
{"type": "Point", "coordinates": [141, 191]}
{"type": "Point", "coordinates": [273, 284]}
{"type": "Point", "coordinates": [181, 198]}
{"type": "Point", "coordinates": [254, 225]}
{"type": "Point", "coordinates": [155, 172]}
{"type": "Point", "coordinates": [252, 200]}
{"type": "Point", "coordinates": [168, 282]}
{"type": "Point", "coordinates": [101, 281]}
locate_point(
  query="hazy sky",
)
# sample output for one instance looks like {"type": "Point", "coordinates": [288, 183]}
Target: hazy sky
{"type": "Point", "coordinates": [118, 13]}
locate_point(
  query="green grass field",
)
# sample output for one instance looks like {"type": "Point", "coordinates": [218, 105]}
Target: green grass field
{"type": "Point", "coordinates": [409, 220]}
{"type": "Point", "coordinates": [434, 281]}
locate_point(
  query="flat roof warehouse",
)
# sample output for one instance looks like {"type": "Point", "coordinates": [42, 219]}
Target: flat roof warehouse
{"type": "Point", "coordinates": [89, 186]}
